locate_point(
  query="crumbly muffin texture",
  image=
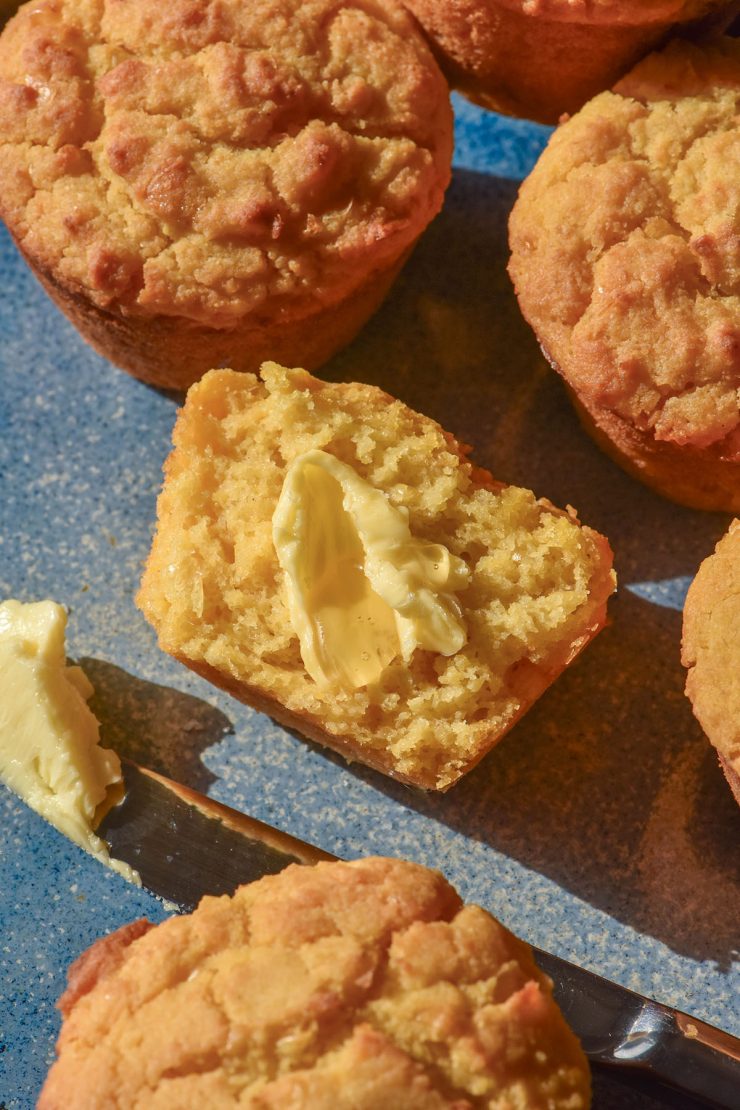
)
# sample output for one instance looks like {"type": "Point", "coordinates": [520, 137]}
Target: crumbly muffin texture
{"type": "Point", "coordinates": [626, 252]}
{"type": "Point", "coordinates": [711, 650]}
{"type": "Point", "coordinates": [214, 591]}
{"type": "Point", "coordinates": [358, 985]}
{"type": "Point", "coordinates": [213, 159]}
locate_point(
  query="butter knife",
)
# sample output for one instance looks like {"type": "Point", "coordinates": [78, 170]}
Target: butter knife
{"type": "Point", "coordinates": [185, 845]}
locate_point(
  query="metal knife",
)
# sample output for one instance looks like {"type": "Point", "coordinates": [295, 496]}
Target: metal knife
{"type": "Point", "coordinates": [185, 845]}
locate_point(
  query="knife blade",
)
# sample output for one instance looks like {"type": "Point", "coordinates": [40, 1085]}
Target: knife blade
{"type": "Point", "coordinates": [185, 845]}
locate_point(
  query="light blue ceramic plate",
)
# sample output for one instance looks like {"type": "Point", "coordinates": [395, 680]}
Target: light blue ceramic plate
{"type": "Point", "coordinates": [601, 828]}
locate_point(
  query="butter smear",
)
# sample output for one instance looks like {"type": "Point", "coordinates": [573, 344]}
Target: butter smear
{"type": "Point", "coordinates": [50, 752]}
{"type": "Point", "coordinates": [361, 589]}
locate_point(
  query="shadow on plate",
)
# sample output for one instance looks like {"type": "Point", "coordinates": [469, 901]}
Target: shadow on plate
{"type": "Point", "coordinates": [161, 728]}
{"type": "Point", "coordinates": [607, 786]}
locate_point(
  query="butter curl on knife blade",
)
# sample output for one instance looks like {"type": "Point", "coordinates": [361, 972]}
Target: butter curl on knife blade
{"type": "Point", "coordinates": [185, 845]}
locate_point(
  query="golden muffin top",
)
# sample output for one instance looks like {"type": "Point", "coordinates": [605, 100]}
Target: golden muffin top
{"type": "Point", "coordinates": [626, 247]}
{"type": "Point", "coordinates": [711, 646]}
{"type": "Point", "coordinates": [201, 158]}
{"type": "Point", "coordinates": [347, 985]}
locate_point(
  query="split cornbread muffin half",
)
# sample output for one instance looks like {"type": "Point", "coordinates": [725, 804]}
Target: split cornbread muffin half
{"type": "Point", "coordinates": [212, 182]}
{"type": "Point", "coordinates": [626, 261]}
{"type": "Point", "coordinates": [330, 557]}
{"type": "Point", "coordinates": [711, 651]}
{"type": "Point", "coordinates": [344, 986]}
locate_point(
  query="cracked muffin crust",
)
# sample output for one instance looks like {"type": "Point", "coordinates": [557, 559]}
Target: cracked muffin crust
{"type": "Point", "coordinates": [541, 58]}
{"type": "Point", "coordinates": [359, 985]}
{"type": "Point", "coordinates": [625, 256]}
{"type": "Point", "coordinates": [711, 651]}
{"type": "Point", "coordinates": [208, 181]}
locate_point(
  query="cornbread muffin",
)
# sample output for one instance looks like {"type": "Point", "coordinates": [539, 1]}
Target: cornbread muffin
{"type": "Point", "coordinates": [711, 651]}
{"type": "Point", "coordinates": [209, 182]}
{"type": "Point", "coordinates": [626, 262]}
{"type": "Point", "coordinates": [361, 985]}
{"type": "Point", "coordinates": [541, 58]}
{"type": "Point", "coordinates": [535, 591]}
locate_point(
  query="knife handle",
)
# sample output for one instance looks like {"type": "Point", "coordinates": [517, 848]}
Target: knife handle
{"type": "Point", "coordinates": [622, 1030]}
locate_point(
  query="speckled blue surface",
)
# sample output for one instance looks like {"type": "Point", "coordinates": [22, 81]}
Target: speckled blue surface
{"type": "Point", "coordinates": [601, 828]}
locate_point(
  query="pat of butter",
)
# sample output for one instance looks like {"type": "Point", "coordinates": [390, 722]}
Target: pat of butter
{"type": "Point", "coordinates": [50, 753]}
{"type": "Point", "coordinates": [361, 589]}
